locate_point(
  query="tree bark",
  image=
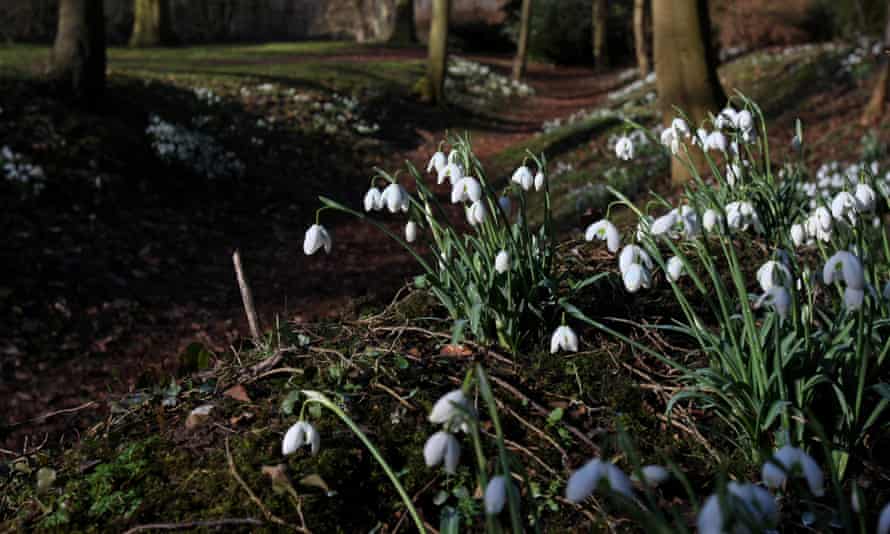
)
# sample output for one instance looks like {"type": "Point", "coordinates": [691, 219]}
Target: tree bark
{"type": "Point", "coordinates": [874, 110]}
{"type": "Point", "coordinates": [404, 31]}
{"type": "Point", "coordinates": [77, 60]}
{"type": "Point", "coordinates": [600, 51]}
{"type": "Point", "coordinates": [151, 23]}
{"type": "Point", "coordinates": [521, 58]}
{"type": "Point", "coordinates": [438, 50]}
{"type": "Point", "coordinates": [642, 49]}
{"type": "Point", "coordinates": [685, 66]}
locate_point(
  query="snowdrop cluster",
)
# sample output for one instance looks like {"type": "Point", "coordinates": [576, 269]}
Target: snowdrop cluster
{"type": "Point", "coordinates": [476, 85]}
{"type": "Point", "coordinates": [207, 96]}
{"type": "Point", "coordinates": [337, 114]}
{"type": "Point", "coordinates": [834, 177]}
{"type": "Point", "coordinates": [18, 170]}
{"type": "Point", "coordinates": [633, 87]}
{"type": "Point", "coordinates": [196, 150]}
{"type": "Point", "coordinates": [578, 116]}
{"type": "Point", "coordinates": [450, 411]}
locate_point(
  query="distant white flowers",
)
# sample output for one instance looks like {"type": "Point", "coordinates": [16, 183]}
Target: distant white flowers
{"type": "Point", "coordinates": [475, 85]}
{"type": "Point", "coordinates": [17, 169]}
{"type": "Point", "coordinates": [756, 504]}
{"type": "Point", "coordinates": [298, 435]}
{"type": "Point", "coordinates": [196, 150]}
{"type": "Point", "coordinates": [789, 461]}
{"type": "Point", "coordinates": [597, 474]}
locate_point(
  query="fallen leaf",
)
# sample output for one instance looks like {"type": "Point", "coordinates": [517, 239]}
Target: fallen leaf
{"type": "Point", "coordinates": [238, 393]}
{"type": "Point", "coordinates": [198, 416]}
{"type": "Point", "coordinates": [456, 350]}
{"type": "Point", "coordinates": [315, 481]}
{"type": "Point", "coordinates": [278, 474]}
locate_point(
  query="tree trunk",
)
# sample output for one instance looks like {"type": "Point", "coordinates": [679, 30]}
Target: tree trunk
{"type": "Point", "coordinates": [600, 52]}
{"type": "Point", "coordinates": [878, 101]}
{"type": "Point", "coordinates": [640, 37]}
{"type": "Point", "coordinates": [685, 66]}
{"type": "Point", "coordinates": [438, 50]}
{"type": "Point", "coordinates": [404, 31]}
{"type": "Point", "coordinates": [151, 23]}
{"type": "Point", "coordinates": [77, 59]}
{"type": "Point", "coordinates": [522, 46]}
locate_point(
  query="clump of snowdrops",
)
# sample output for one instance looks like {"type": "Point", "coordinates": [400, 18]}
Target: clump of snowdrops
{"type": "Point", "coordinates": [196, 150]}
{"type": "Point", "coordinates": [490, 269]}
{"type": "Point", "coordinates": [807, 335]}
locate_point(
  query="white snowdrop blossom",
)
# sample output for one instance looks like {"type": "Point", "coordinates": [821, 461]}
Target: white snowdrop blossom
{"type": "Point", "coordinates": [674, 268]}
{"type": "Point", "coordinates": [373, 200]}
{"type": "Point", "coordinates": [301, 433]}
{"type": "Point", "coordinates": [476, 213]}
{"type": "Point", "coordinates": [394, 197]}
{"type": "Point", "coordinates": [726, 118]}
{"type": "Point", "coordinates": [756, 502]}
{"type": "Point", "coordinates": [597, 474]}
{"type": "Point", "coordinates": [466, 189]}
{"type": "Point", "coordinates": [669, 138]}
{"type": "Point", "coordinates": [744, 121]}
{"type": "Point", "coordinates": [495, 495]}
{"type": "Point", "coordinates": [798, 234]}
{"type": "Point", "coordinates": [523, 177]}
{"type": "Point", "coordinates": [789, 461]}
{"type": "Point", "coordinates": [733, 173]}
{"type": "Point", "coordinates": [442, 447]}
{"type": "Point", "coordinates": [715, 141]}
{"type": "Point", "coordinates": [846, 267]}
{"type": "Point", "coordinates": [711, 220]}
{"type": "Point", "coordinates": [653, 475]}
{"type": "Point", "coordinates": [680, 127]}
{"type": "Point", "coordinates": [411, 231]}
{"type": "Point", "coordinates": [773, 273]}
{"type": "Point", "coordinates": [539, 181]}
{"type": "Point", "coordinates": [453, 171]}
{"type": "Point", "coordinates": [437, 163]}
{"type": "Point", "coordinates": [636, 277]}
{"type": "Point", "coordinates": [664, 224]}
{"type": "Point", "coordinates": [502, 262]}
{"type": "Point", "coordinates": [843, 207]}
{"type": "Point", "coordinates": [865, 198]}
{"type": "Point", "coordinates": [604, 231]}
{"type": "Point", "coordinates": [740, 215]}
{"type": "Point", "coordinates": [624, 148]}
{"type": "Point", "coordinates": [819, 224]}
{"type": "Point", "coordinates": [563, 338]}
{"type": "Point", "coordinates": [632, 254]}
{"type": "Point", "coordinates": [446, 409]}
{"type": "Point", "coordinates": [778, 297]}
{"type": "Point", "coordinates": [316, 238]}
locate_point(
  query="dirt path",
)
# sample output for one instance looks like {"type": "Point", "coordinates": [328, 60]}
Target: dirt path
{"type": "Point", "coordinates": [202, 303]}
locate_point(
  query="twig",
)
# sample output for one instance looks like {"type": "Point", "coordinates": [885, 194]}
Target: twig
{"type": "Point", "coordinates": [395, 395]}
{"type": "Point", "coordinates": [246, 297]}
{"type": "Point", "coordinates": [280, 370]}
{"type": "Point", "coordinates": [194, 524]}
{"type": "Point", "coordinates": [44, 417]}
{"type": "Point", "coordinates": [269, 515]}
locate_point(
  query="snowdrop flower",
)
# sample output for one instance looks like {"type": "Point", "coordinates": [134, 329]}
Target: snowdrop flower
{"type": "Point", "coordinates": [744, 120]}
{"type": "Point", "coordinates": [788, 460]}
{"type": "Point", "coordinates": [884, 521]}
{"type": "Point", "coordinates": [664, 224]}
{"type": "Point", "coordinates": [442, 446]}
{"type": "Point", "coordinates": [394, 197]}
{"type": "Point", "coordinates": [446, 409]}
{"type": "Point", "coordinates": [495, 495]}
{"type": "Point", "coordinates": [741, 215]}
{"type": "Point", "coordinates": [843, 206]}
{"type": "Point", "coordinates": [865, 198]}
{"type": "Point", "coordinates": [316, 238]}
{"type": "Point", "coordinates": [466, 189]}
{"type": "Point", "coordinates": [733, 173]}
{"type": "Point", "coordinates": [726, 118]}
{"type": "Point", "coordinates": [853, 298]}
{"type": "Point", "coordinates": [778, 297]}
{"type": "Point", "coordinates": [505, 204]}
{"type": "Point", "coordinates": [502, 262]}
{"type": "Point", "coordinates": [301, 433]}
{"type": "Point", "coordinates": [454, 157]}
{"type": "Point", "coordinates": [711, 219]}
{"type": "Point", "coordinates": [373, 200]}
{"type": "Point", "coordinates": [669, 138]}
{"type": "Point", "coordinates": [411, 231]}
{"type": "Point", "coordinates": [563, 338]}
{"type": "Point", "coordinates": [539, 181]}
{"type": "Point", "coordinates": [700, 138]}
{"type": "Point", "coordinates": [604, 231]}
{"type": "Point", "coordinates": [453, 171]}
{"type": "Point", "coordinates": [624, 148]}
{"type": "Point", "coordinates": [798, 235]}
{"type": "Point", "coordinates": [715, 141]}
{"type": "Point", "coordinates": [632, 254]}
{"type": "Point", "coordinates": [476, 213]}
{"type": "Point", "coordinates": [674, 268]}
{"type": "Point", "coordinates": [756, 501]}
{"type": "Point", "coordinates": [819, 224]}
{"type": "Point", "coordinates": [523, 177]}
{"type": "Point", "coordinates": [643, 226]}
{"type": "Point", "coordinates": [796, 144]}
{"type": "Point", "coordinates": [653, 475]}
{"type": "Point", "coordinates": [680, 128]}
{"type": "Point", "coordinates": [635, 277]}
{"type": "Point", "coordinates": [773, 273]}
{"type": "Point", "coordinates": [593, 475]}
{"type": "Point", "coordinates": [437, 163]}
{"type": "Point", "coordinates": [844, 266]}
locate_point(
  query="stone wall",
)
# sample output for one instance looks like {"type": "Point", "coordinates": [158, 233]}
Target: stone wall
{"type": "Point", "coordinates": [201, 21]}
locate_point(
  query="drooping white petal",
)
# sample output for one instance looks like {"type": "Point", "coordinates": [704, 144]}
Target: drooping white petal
{"type": "Point", "coordinates": [844, 207]}
{"type": "Point", "coordinates": [853, 298]}
{"type": "Point", "coordinates": [711, 219]}
{"type": "Point", "coordinates": [618, 480]}
{"type": "Point", "coordinates": [710, 517]}
{"type": "Point", "coordinates": [316, 238]}
{"type": "Point", "coordinates": [437, 162]}
{"type": "Point", "coordinates": [466, 189]}
{"type": "Point", "coordinates": [636, 277]}
{"type": "Point", "coordinates": [445, 409]}
{"type": "Point", "coordinates": [392, 197]}
{"type": "Point", "coordinates": [884, 520]}
{"type": "Point", "coordinates": [605, 231]}
{"type": "Point", "coordinates": [539, 181]}
{"type": "Point", "coordinates": [495, 495]}
{"type": "Point", "coordinates": [654, 475]}
{"type": "Point", "coordinates": [294, 438]}
{"type": "Point", "coordinates": [313, 439]}
{"type": "Point", "coordinates": [434, 449]}
{"type": "Point", "coordinates": [674, 268]}
{"type": "Point", "coordinates": [773, 273]}
{"type": "Point", "coordinates": [778, 297]}
{"type": "Point", "coordinates": [624, 148]}
{"type": "Point", "coordinates": [411, 231]}
{"type": "Point", "coordinates": [563, 338]}
{"type": "Point", "coordinates": [502, 262]}
{"type": "Point", "coordinates": [632, 254]}
{"type": "Point", "coordinates": [850, 271]}
{"type": "Point", "coordinates": [373, 200]}
{"type": "Point", "coordinates": [584, 481]}
{"type": "Point", "coordinates": [452, 454]}
{"type": "Point", "coordinates": [744, 120]}
{"type": "Point", "coordinates": [865, 198]}
{"type": "Point", "coordinates": [664, 224]}
{"type": "Point", "coordinates": [523, 177]}
{"type": "Point", "coordinates": [798, 235]}
{"type": "Point", "coordinates": [476, 213]}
